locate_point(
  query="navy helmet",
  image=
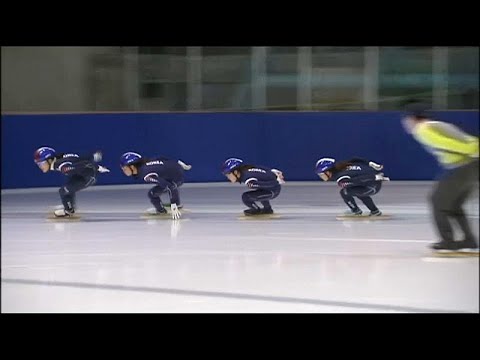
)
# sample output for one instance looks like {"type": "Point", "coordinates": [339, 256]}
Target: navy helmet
{"type": "Point", "coordinates": [231, 164]}
{"type": "Point", "coordinates": [324, 164]}
{"type": "Point", "coordinates": [43, 154]}
{"type": "Point", "coordinates": [129, 158]}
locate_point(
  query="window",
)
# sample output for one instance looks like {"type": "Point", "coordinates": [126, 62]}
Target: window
{"type": "Point", "coordinates": [152, 90]}
{"type": "Point", "coordinates": [226, 50]}
{"type": "Point", "coordinates": [463, 73]}
{"type": "Point", "coordinates": [282, 78]}
{"type": "Point", "coordinates": [404, 73]}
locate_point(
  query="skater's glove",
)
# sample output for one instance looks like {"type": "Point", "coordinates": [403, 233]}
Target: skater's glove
{"type": "Point", "coordinates": [376, 166]}
{"type": "Point", "coordinates": [175, 212]}
{"type": "Point", "coordinates": [280, 178]}
{"type": "Point", "coordinates": [103, 169]}
{"type": "Point", "coordinates": [183, 165]}
{"type": "Point", "coordinates": [380, 177]}
{"type": "Point", "coordinates": [97, 156]}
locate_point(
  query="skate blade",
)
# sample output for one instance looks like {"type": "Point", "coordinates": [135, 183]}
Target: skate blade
{"type": "Point", "coordinates": [182, 209]}
{"type": "Point", "coordinates": [168, 205]}
{"type": "Point", "coordinates": [460, 254]}
{"type": "Point", "coordinates": [260, 217]}
{"type": "Point", "coordinates": [64, 218]}
{"type": "Point", "coordinates": [363, 217]}
{"type": "Point", "coordinates": [166, 216]}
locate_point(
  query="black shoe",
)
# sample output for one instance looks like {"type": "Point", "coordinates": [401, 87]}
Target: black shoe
{"type": "Point", "coordinates": [375, 213]}
{"type": "Point", "coordinates": [267, 211]}
{"type": "Point", "coordinates": [445, 246]}
{"type": "Point", "coordinates": [467, 245]}
{"type": "Point", "coordinates": [250, 212]}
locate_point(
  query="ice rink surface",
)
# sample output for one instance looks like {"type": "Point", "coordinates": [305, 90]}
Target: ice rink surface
{"type": "Point", "coordinates": [212, 260]}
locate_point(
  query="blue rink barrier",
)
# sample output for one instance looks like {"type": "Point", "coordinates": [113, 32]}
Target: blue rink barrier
{"type": "Point", "coordinates": [290, 141]}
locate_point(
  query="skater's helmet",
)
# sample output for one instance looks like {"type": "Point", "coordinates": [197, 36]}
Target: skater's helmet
{"type": "Point", "coordinates": [43, 154]}
{"type": "Point", "coordinates": [129, 158]}
{"type": "Point", "coordinates": [324, 164]}
{"type": "Point", "coordinates": [231, 164]}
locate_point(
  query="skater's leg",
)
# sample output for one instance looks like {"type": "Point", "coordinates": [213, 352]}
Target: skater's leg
{"type": "Point", "coordinates": [173, 193]}
{"type": "Point", "coordinates": [364, 193]}
{"type": "Point", "coordinates": [68, 192]}
{"type": "Point", "coordinates": [249, 199]}
{"type": "Point", "coordinates": [154, 196]}
{"type": "Point", "coordinates": [265, 197]}
{"type": "Point", "coordinates": [350, 201]}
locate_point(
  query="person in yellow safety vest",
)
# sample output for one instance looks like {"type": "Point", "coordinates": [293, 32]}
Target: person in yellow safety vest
{"type": "Point", "coordinates": [458, 153]}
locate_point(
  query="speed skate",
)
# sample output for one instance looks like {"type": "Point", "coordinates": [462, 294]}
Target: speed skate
{"type": "Point", "coordinates": [160, 216]}
{"type": "Point", "coordinates": [455, 253]}
{"type": "Point", "coordinates": [74, 217]}
{"type": "Point", "coordinates": [260, 217]}
{"type": "Point", "coordinates": [364, 217]}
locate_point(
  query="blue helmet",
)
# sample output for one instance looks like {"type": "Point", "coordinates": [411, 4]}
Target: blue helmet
{"type": "Point", "coordinates": [324, 164]}
{"type": "Point", "coordinates": [231, 164]}
{"type": "Point", "coordinates": [43, 154]}
{"type": "Point", "coordinates": [129, 158]}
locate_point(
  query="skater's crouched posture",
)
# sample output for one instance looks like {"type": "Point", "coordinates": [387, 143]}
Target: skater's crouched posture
{"type": "Point", "coordinates": [264, 181]}
{"type": "Point", "coordinates": [357, 177]}
{"type": "Point", "coordinates": [81, 172]}
{"type": "Point", "coordinates": [166, 174]}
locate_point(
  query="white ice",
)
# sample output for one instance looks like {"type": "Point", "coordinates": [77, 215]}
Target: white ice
{"type": "Point", "coordinates": [212, 261]}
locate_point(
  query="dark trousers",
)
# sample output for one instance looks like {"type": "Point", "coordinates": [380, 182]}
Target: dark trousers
{"type": "Point", "coordinates": [363, 193]}
{"type": "Point", "coordinates": [171, 187]}
{"type": "Point", "coordinates": [75, 183]}
{"type": "Point", "coordinates": [448, 197]}
{"type": "Point", "coordinates": [262, 195]}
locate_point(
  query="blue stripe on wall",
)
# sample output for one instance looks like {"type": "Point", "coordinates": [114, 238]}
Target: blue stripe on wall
{"type": "Point", "coordinates": [291, 141]}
